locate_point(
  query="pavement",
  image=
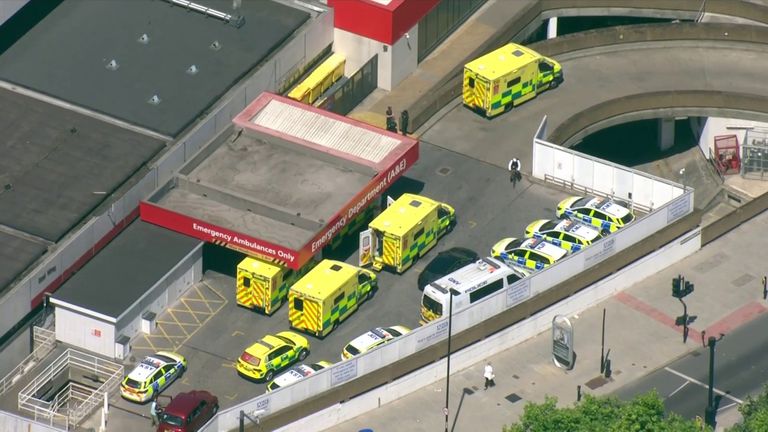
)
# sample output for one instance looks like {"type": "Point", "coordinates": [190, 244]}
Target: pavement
{"type": "Point", "coordinates": [640, 333]}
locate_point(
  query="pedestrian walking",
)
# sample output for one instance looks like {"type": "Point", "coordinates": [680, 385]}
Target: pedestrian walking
{"type": "Point", "coordinates": [765, 288]}
{"type": "Point", "coordinates": [404, 122]}
{"type": "Point", "coordinates": [514, 171]}
{"type": "Point", "coordinates": [391, 123]}
{"type": "Point", "coordinates": [489, 376]}
{"type": "Point", "coordinates": [154, 411]}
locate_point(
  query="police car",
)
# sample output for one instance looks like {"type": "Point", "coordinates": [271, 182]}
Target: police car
{"type": "Point", "coordinates": [532, 253]}
{"type": "Point", "coordinates": [295, 374]}
{"type": "Point", "coordinates": [371, 339]}
{"type": "Point", "coordinates": [152, 375]}
{"type": "Point", "coordinates": [271, 354]}
{"type": "Point", "coordinates": [607, 215]}
{"type": "Point", "coordinates": [568, 234]}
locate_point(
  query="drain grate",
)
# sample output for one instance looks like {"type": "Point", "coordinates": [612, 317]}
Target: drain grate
{"type": "Point", "coordinates": [512, 397]}
{"type": "Point", "coordinates": [444, 171]}
{"type": "Point", "coordinates": [596, 382]}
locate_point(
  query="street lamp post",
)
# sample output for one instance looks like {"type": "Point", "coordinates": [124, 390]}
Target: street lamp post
{"type": "Point", "coordinates": [710, 412]}
{"type": "Point", "coordinates": [448, 368]}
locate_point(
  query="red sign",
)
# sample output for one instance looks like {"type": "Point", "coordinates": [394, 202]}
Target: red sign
{"type": "Point", "coordinates": [385, 21]}
{"type": "Point", "coordinates": [209, 232]}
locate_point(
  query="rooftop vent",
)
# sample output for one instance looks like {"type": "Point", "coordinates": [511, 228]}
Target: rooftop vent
{"type": "Point", "coordinates": [113, 65]}
{"type": "Point", "coordinates": [237, 21]}
{"type": "Point", "coordinates": [155, 100]}
{"type": "Point", "coordinates": [517, 53]}
{"type": "Point", "coordinates": [192, 70]}
{"type": "Point", "coordinates": [335, 267]}
{"type": "Point", "coordinates": [415, 203]}
{"type": "Point", "coordinates": [215, 45]}
{"type": "Point", "coordinates": [144, 39]}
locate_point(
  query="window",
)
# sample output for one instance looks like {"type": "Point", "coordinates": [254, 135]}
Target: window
{"type": "Point", "coordinates": [538, 258]}
{"type": "Point", "coordinates": [362, 278]}
{"type": "Point", "coordinates": [298, 304]}
{"type": "Point", "coordinates": [418, 234]}
{"type": "Point", "coordinates": [570, 238]}
{"type": "Point", "coordinates": [442, 212]}
{"type": "Point", "coordinates": [486, 290]}
{"type": "Point", "coordinates": [514, 82]}
{"type": "Point", "coordinates": [338, 299]}
{"type": "Point", "coordinates": [278, 352]}
{"type": "Point", "coordinates": [599, 215]}
{"type": "Point", "coordinates": [471, 83]}
{"type": "Point", "coordinates": [545, 67]}
{"type": "Point", "coordinates": [247, 282]}
{"type": "Point", "coordinates": [512, 279]}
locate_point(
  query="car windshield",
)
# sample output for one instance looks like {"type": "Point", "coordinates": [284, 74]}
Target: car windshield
{"type": "Point", "coordinates": [549, 225]}
{"type": "Point", "coordinates": [132, 383]}
{"type": "Point", "coordinates": [316, 367]}
{"type": "Point", "coordinates": [285, 339]}
{"type": "Point", "coordinates": [171, 419]}
{"type": "Point", "coordinates": [432, 305]}
{"type": "Point", "coordinates": [629, 217]}
{"type": "Point", "coordinates": [582, 202]}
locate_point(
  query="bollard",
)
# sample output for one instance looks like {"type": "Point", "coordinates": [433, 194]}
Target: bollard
{"type": "Point", "coordinates": [578, 393]}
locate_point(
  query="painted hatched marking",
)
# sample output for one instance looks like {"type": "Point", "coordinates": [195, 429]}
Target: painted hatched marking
{"type": "Point", "coordinates": [180, 322]}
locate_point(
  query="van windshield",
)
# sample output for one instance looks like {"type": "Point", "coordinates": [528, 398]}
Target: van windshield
{"type": "Point", "coordinates": [432, 305]}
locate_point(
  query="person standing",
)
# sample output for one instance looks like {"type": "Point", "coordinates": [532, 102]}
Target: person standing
{"type": "Point", "coordinates": [391, 123]}
{"type": "Point", "coordinates": [489, 376]}
{"type": "Point", "coordinates": [154, 411]}
{"type": "Point", "coordinates": [404, 118]}
{"type": "Point", "coordinates": [514, 171]}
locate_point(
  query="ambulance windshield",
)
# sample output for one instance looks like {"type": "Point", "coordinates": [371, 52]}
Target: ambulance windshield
{"type": "Point", "coordinates": [432, 305]}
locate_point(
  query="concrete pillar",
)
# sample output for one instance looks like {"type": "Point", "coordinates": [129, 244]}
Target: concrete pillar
{"type": "Point", "coordinates": [666, 133]}
{"type": "Point", "coordinates": [552, 28]}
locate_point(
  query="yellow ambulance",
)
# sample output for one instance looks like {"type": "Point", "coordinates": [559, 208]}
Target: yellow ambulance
{"type": "Point", "coordinates": [263, 283]}
{"type": "Point", "coordinates": [405, 231]}
{"type": "Point", "coordinates": [327, 295]}
{"type": "Point", "coordinates": [507, 77]}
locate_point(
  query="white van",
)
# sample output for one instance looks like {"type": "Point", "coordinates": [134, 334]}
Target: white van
{"type": "Point", "coordinates": [468, 285]}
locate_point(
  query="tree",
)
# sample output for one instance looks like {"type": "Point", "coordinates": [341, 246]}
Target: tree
{"type": "Point", "coordinates": [645, 413]}
{"type": "Point", "coordinates": [755, 413]}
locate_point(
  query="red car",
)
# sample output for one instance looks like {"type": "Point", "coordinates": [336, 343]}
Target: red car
{"type": "Point", "coordinates": [188, 412]}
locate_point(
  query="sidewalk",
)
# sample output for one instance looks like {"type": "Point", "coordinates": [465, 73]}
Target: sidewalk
{"type": "Point", "coordinates": [640, 333]}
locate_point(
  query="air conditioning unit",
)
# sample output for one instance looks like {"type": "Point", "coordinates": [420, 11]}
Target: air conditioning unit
{"type": "Point", "coordinates": [122, 347]}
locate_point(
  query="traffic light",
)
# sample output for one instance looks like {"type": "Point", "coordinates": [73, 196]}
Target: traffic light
{"type": "Point", "coordinates": [688, 288]}
{"type": "Point", "coordinates": [677, 287]}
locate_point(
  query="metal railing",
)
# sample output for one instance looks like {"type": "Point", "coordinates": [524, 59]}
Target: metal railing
{"type": "Point", "coordinates": [44, 341]}
{"type": "Point", "coordinates": [78, 400]}
{"type": "Point", "coordinates": [585, 190]}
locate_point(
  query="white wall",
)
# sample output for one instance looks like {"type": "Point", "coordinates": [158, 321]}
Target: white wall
{"type": "Point", "coordinates": [396, 63]}
{"type": "Point", "coordinates": [85, 332]}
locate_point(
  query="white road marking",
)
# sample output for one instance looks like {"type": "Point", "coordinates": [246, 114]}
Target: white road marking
{"type": "Point", "coordinates": [678, 389]}
{"type": "Point", "coordinates": [720, 392]}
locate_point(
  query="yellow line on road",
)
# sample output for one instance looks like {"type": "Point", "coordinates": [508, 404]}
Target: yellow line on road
{"type": "Point", "coordinates": [229, 365]}
{"type": "Point", "coordinates": [173, 315]}
{"type": "Point", "coordinates": [471, 224]}
{"type": "Point", "coordinates": [237, 333]}
{"type": "Point", "coordinates": [231, 397]}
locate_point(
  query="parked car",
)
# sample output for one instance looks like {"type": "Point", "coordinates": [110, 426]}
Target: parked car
{"type": "Point", "coordinates": [273, 353]}
{"type": "Point", "coordinates": [446, 262]}
{"type": "Point", "coordinates": [606, 214]}
{"type": "Point", "coordinates": [296, 373]}
{"type": "Point", "coordinates": [371, 339]}
{"type": "Point", "coordinates": [569, 234]}
{"type": "Point", "coordinates": [535, 254]}
{"type": "Point", "coordinates": [153, 375]}
{"type": "Point", "coordinates": [188, 412]}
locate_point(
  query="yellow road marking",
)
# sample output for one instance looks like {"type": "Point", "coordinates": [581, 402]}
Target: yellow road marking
{"type": "Point", "coordinates": [229, 365]}
{"type": "Point", "coordinates": [173, 315]}
{"type": "Point", "coordinates": [471, 223]}
{"type": "Point", "coordinates": [237, 333]}
{"type": "Point", "coordinates": [231, 397]}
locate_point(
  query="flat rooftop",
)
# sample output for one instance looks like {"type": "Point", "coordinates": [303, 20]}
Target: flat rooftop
{"type": "Point", "coordinates": [286, 174]}
{"type": "Point", "coordinates": [56, 166]}
{"type": "Point", "coordinates": [125, 269]}
{"type": "Point", "coordinates": [67, 56]}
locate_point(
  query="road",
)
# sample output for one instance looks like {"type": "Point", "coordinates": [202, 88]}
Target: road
{"type": "Point", "coordinates": [741, 369]}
